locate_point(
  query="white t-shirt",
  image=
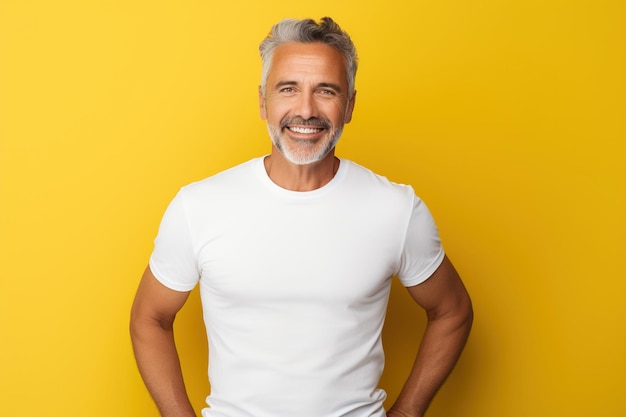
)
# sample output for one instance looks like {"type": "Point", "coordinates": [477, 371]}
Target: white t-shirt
{"type": "Point", "coordinates": [294, 285]}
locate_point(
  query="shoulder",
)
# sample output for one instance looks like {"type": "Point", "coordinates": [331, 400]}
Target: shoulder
{"type": "Point", "coordinates": [231, 180]}
{"type": "Point", "coordinates": [362, 178]}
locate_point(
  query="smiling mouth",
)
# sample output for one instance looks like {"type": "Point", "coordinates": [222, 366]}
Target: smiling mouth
{"type": "Point", "coordinates": [304, 130]}
{"type": "Point", "coordinates": [301, 126]}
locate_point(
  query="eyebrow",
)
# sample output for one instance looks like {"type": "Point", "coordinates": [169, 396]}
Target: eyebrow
{"type": "Point", "coordinates": [320, 85]}
{"type": "Point", "coordinates": [330, 85]}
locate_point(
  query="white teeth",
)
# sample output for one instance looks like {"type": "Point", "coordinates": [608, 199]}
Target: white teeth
{"type": "Point", "coordinates": [304, 129]}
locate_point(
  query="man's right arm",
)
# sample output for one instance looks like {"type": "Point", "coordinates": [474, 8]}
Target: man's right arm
{"type": "Point", "coordinates": [151, 329]}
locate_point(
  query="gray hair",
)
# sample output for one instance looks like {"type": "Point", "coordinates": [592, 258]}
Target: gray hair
{"type": "Point", "coordinates": [308, 31]}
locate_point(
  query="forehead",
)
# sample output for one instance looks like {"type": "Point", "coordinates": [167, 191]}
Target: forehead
{"type": "Point", "coordinates": [307, 60]}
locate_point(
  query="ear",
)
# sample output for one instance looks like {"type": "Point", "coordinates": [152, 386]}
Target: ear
{"type": "Point", "coordinates": [262, 109]}
{"type": "Point", "coordinates": [350, 108]}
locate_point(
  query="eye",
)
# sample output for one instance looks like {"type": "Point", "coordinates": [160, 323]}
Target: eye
{"type": "Point", "coordinates": [327, 92]}
{"type": "Point", "coordinates": [287, 90]}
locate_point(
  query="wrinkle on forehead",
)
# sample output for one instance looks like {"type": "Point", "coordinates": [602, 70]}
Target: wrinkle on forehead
{"type": "Point", "coordinates": [308, 63]}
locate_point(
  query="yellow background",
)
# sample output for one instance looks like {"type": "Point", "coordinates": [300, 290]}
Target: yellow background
{"type": "Point", "coordinates": [508, 117]}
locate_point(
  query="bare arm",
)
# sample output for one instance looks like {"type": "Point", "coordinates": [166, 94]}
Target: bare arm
{"type": "Point", "coordinates": [449, 311]}
{"type": "Point", "coordinates": [151, 329]}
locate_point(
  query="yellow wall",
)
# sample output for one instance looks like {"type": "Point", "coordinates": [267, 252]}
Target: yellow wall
{"type": "Point", "coordinates": [508, 117]}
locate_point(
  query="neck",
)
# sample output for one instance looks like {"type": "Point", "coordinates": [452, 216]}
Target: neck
{"type": "Point", "coordinates": [294, 177]}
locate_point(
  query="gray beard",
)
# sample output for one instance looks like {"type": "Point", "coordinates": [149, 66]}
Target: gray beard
{"type": "Point", "coordinates": [307, 154]}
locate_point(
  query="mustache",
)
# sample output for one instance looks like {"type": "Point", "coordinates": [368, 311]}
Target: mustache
{"type": "Point", "coordinates": [313, 121]}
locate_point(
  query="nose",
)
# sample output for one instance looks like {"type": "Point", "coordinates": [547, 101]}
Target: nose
{"type": "Point", "coordinates": [306, 106]}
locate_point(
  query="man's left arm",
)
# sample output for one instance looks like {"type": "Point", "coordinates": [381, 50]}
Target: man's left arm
{"type": "Point", "coordinates": [449, 311]}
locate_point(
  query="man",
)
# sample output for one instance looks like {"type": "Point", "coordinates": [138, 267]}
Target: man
{"type": "Point", "coordinates": [294, 253]}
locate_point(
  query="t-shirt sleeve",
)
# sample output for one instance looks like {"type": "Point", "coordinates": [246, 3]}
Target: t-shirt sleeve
{"type": "Point", "coordinates": [422, 252]}
{"type": "Point", "coordinates": [173, 260]}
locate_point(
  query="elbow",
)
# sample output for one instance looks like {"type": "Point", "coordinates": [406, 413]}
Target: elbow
{"type": "Point", "coordinates": [134, 324]}
{"type": "Point", "coordinates": [468, 309]}
{"type": "Point", "coordinates": [469, 315]}
{"type": "Point", "coordinates": [144, 321]}
{"type": "Point", "coordinates": [457, 312]}
{"type": "Point", "coordinates": [465, 310]}
{"type": "Point", "coordinates": [465, 315]}
{"type": "Point", "coordinates": [139, 323]}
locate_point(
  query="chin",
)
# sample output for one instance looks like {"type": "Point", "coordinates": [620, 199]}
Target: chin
{"type": "Point", "coordinates": [307, 156]}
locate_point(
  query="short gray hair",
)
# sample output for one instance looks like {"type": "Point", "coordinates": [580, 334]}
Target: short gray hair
{"type": "Point", "coordinates": [309, 31]}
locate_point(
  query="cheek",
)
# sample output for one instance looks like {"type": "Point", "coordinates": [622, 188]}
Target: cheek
{"type": "Point", "coordinates": [337, 113]}
{"type": "Point", "coordinates": [275, 110]}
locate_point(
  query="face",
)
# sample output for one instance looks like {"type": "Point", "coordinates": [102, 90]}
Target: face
{"type": "Point", "coordinates": [306, 102]}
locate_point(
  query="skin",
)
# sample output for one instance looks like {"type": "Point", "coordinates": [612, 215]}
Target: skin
{"type": "Point", "coordinates": [306, 81]}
